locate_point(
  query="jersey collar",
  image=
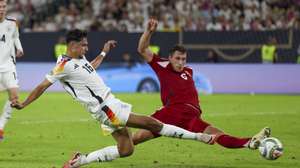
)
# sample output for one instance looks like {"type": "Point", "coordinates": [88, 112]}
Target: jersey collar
{"type": "Point", "coordinates": [169, 66]}
{"type": "Point", "coordinates": [80, 57]}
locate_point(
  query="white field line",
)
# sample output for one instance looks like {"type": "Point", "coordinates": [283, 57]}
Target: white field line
{"type": "Point", "coordinates": [204, 114]}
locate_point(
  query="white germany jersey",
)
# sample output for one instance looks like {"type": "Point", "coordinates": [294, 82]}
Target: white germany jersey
{"type": "Point", "coordinates": [79, 79]}
{"type": "Point", "coordinates": [8, 34]}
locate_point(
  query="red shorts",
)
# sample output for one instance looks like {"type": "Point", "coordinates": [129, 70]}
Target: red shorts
{"type": "Point", "coordinates": [183, 116]}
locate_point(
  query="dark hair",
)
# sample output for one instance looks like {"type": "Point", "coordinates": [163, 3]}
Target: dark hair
{"type": "Point", "coordinates": [177, 47]}
{"type": "Point", "coordinates": [75, 35]}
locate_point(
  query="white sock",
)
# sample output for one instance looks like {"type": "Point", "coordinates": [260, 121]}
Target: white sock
{"type": "Point", "coordinates": [176, 132]}
{"type": "Point", "coordinates": [103, 155]}
{"type": "Point", "coordinates": [6, 114]}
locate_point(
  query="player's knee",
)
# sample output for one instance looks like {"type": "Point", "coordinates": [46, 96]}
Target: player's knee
{"type": "Point", "coordinates": [125, 152]}
{"type": "Point", "coordinates": [137, 138]}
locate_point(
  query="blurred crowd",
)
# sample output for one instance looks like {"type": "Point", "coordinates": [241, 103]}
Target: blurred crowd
{"type": "Point", "coordinates": [173, 15]}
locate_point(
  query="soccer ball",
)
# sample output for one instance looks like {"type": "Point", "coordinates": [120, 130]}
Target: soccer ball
{"type": "Point", "coordinates": [271, 148]}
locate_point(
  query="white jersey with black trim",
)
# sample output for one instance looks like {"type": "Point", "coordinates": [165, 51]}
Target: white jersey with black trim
{"type": "Point", "coordinates": [8, 35]}
{"type": "Point", "coordinates": [81, 80]}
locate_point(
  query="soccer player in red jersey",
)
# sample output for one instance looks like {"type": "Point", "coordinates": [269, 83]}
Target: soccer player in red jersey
{"type": "Point", "coordinates": [180, 98]}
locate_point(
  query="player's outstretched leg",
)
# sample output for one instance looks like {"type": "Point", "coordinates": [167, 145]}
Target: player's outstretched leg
{"type": "Point", "coordinates": [256, 139]}
{"type": "Point", "coordinates": [5, 116]}
{"type": "Point", "coordinates": [153, 125]}
{"type": "Point", "coordinates": [124, 148]}
{"type": "Point", "coordinates": [229, 141]}
{"type": "Point", "coordinates": [225, 140]}
{"type": "Point", "coordinates": [125, 145]}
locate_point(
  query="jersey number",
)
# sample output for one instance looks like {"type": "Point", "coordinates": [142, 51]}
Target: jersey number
{"type": "Point", "coordinates": [3, 38]}
{"type": "Point", "coordinates": [88, 68]}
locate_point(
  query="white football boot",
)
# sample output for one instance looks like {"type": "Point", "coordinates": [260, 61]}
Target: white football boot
{"type": "Point", "coordinates": [75, 162]}
{"type": "Point", "coordinates": [256, 139]}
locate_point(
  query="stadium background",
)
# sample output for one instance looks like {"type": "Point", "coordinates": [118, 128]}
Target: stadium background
{"type": "Point", "coordinates": [201, 25]}
{"type": "Point", "coordinates": [215, 32]}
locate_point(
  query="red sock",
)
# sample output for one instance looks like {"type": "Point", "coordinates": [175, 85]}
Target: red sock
{"type": "Point", "coordinates": [232, 142]}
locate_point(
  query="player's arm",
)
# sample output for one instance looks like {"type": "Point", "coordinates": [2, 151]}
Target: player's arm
{"type": "Point", "coordinates": [17, 43]}
{"type": "Point", "coordinates": [99, 58]}
{"type": "Point", "coordinates": [36, 93]}
{"type": "Point", "coordinates": [144, 42]}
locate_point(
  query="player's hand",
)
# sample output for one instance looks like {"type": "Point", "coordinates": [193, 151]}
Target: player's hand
{"type": "Point", "coordinates": [152, 25]}
{"type": "Point", "coordinates": [109, 45]}
{"type": "Point", "coordinates": [19, 53]}
{"type": "Point", "coordinates": [17, 105]}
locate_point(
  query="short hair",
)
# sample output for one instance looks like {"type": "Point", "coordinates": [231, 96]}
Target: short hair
{"type": "Point", "coordinates": [75, 35]}
{"type": "Point", "coordinates": [177, 47]}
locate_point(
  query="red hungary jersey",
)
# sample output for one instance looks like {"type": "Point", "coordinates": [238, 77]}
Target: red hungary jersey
{"type": "Point", "coordinates": [175, 87]}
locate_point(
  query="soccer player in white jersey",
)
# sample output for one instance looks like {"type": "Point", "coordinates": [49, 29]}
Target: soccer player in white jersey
{"type": "Point", "coordinates": [80, 80]}
{"type": "Point", "coordinates": [10, 47]}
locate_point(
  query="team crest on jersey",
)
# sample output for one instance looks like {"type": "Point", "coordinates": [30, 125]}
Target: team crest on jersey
{"type": "Point", "coordinates": [184, 76]}
{"type": "Point", "coordinates": [188, 73]}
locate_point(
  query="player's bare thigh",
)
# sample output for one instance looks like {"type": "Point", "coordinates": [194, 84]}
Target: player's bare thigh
{"type": "Point", "coordinates": [144, 122]}
{"type": "Point", "coordinates": [141, 136]}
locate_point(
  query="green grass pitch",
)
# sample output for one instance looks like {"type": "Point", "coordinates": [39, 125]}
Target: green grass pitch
{"type": "Point", "coordinates": [46, 133]}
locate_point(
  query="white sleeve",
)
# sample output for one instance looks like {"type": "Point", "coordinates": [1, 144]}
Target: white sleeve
{"type": "Point", "coordinates": [59, 71]}
{"type": "Point", "coordinates": [17, 42]}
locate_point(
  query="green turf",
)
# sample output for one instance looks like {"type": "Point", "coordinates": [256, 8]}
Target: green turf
{"type": "Point", "coordinates": [46, 133]}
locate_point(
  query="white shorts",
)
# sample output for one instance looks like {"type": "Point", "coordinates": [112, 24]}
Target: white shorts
{"type": "Point", "coordinates": [8, 80]}
{"type": "Point", "coordinates": [113, 114]}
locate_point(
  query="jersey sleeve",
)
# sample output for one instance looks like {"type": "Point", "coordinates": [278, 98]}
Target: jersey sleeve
{"type": "Point", "coordinates": [59, 71]}
{"type": "Point", "coordinates": [17, 42]}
